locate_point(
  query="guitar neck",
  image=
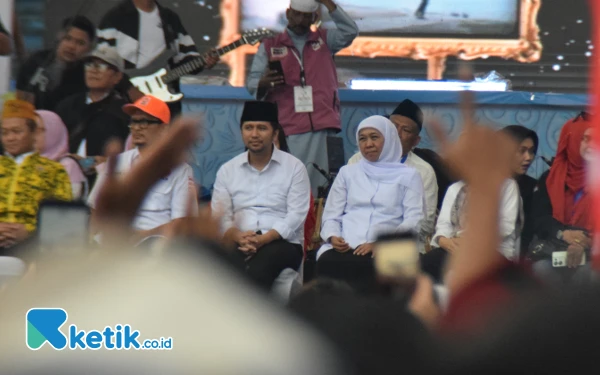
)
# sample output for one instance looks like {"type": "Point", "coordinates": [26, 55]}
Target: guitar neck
{"type": "Point", "coordinates": [199, 62]}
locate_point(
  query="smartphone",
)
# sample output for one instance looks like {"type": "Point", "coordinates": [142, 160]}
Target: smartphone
{"type": "Point", "coordinates": [397, 256]}
{"type": "Point", "coordinates": [276, 65]}
{"type": "Point", "coordinates": [559, 259]}
{"type": "Point", "coordinates": [63, 226]}
{"type": "Point", "coordinates": [87, 163]}
{"type": "Point", "coordinates": [397, 262]}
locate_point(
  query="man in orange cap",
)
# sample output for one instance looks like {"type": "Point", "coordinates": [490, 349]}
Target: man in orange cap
{"type": "Point", "coordinates": [167, 200]}
{"type": "Point", "coordinates": [25, 175]}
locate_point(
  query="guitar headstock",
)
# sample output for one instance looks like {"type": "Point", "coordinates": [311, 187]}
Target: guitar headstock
{"type": "Point", "coordinates": [254, 36]}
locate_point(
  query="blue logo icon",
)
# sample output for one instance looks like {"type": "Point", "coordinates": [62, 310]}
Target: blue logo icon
{"type": "Point", "coordinates": [43, 325]}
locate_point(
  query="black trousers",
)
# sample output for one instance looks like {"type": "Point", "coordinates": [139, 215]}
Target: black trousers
{"type": "Point", "coordinates": [270, 260]}
{"type": "Point", "coordinates": [356, 270]}
{"type": "Point", "coordinates": [432, 263]}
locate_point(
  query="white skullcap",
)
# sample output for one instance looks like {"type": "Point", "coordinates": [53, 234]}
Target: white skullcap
{"type": "Point", "coordinates": [304, 6]}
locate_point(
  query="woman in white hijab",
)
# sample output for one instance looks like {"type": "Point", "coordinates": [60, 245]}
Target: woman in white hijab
{"type": "Point", "coordinates": [378, 195]}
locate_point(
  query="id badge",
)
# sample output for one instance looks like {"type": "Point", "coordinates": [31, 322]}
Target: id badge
{"type": "Point", "coordinates": [303, 99]}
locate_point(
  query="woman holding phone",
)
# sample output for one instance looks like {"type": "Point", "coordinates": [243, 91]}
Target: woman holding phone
{"type": "Point", "coordinates": [375, 196]}
{"type": "Point", "coordinates": [562, 208]}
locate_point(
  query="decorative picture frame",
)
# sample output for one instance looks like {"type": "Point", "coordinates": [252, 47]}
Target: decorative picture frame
{"type": "Point", "coordinates": [526, 48]}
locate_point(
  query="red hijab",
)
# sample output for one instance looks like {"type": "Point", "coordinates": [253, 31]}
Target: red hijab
{"type": "Point", "coordinates": [567, 177]}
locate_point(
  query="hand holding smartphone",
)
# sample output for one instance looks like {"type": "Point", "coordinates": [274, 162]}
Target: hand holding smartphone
{"type": "Point", "coordinates": [398, 268]}
{"type": "Point", "coordinates": [274, 76]}
{"type": "Point", "coordinates": [397, 261]}
{"type": "Point", "coordinates": [397, 256]}
{"type": "Point", "coordinates": [276, 66]}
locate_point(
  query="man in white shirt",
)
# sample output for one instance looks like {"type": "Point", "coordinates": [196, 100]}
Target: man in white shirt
{"type": "Point", "coordinates": [168, 199]}
{"type": "Point", "coordinates": [408, 119]}
{"type": "Point", "coordinates": [263, 196]}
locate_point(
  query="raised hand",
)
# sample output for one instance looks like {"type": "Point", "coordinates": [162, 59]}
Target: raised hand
{"type": "Point", "coordinates": [204, 224]}
{"type": "Point", "coordinates": [479, 151]}
{"type": "Point", "coordinates": [482, 158]}
{"type": "Point", "coordinates": [422, 302]}
{"type": "Point", "coordinates": [329, 4]}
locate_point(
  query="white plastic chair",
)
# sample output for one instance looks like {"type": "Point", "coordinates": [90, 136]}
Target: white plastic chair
{"type": "Point", "coordinates": [288, 284]}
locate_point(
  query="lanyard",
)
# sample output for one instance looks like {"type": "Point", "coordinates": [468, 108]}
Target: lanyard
{"type": "Point", "coordinates": [302, 75]}
{"type": "Point", "coordinates": [404, 159]}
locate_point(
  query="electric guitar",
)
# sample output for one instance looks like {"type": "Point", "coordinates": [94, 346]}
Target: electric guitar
{"type": "Point", "coordinates": [154, 78]}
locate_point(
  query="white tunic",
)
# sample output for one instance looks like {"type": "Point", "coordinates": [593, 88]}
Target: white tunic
{"type": "Point", "coordinates": [359, 209]}
{"type": "Point", "coordinates": [429, 184]}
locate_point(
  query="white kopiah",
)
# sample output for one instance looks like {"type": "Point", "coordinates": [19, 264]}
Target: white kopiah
{"type": "Point", "coordinates": [304, 6]}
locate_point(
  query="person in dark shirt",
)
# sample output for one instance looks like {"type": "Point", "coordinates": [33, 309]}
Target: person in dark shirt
{"type": "Point", "coordinates": [94, 116]}
{"type": "Point", "coordinates": [562, 207]}
{"type": "Point", "coordinates": [51, 75]}
{"type": "Point", "coordinates": [5, 46]}
{"type": "Point", "coordinates": [528, 145]}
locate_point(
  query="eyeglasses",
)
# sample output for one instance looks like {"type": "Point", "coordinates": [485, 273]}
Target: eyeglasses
{"type": "Point", "coordinates": [143, 124]}
{"type": "Point", "coordinates": [7, 132]}
{"type": "Point", "coordinates": [102, 67]}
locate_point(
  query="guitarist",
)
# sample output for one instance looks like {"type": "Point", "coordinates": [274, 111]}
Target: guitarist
{"type": "Point", "coordinates": [141, 30]}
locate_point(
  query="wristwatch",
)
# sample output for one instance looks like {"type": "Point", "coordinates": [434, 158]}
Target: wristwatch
{"type": "Point", "coordinates": [559, 234]}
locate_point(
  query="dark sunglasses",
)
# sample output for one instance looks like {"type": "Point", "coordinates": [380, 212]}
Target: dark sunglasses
{"type": "Point", "coordinates": [143, 124]}
{"type": "Point", "coordinates": [102, 67]}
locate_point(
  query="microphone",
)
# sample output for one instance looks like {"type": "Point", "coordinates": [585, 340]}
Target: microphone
{"type": "Point", "coordinates": [322, 172]}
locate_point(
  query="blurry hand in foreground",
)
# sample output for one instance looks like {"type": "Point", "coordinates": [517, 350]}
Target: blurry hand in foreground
{"type": "Point", "coordinates": [482, 158]}
{"type": "Point", "coordinates": [120, 197]}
